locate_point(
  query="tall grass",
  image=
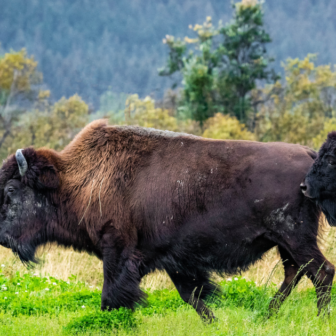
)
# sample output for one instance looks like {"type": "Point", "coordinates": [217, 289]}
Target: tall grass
{"type": "Point", "coordinates": [62, 263]}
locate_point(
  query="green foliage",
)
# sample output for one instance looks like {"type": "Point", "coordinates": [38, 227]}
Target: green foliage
{"type": "Point", "coordinates": [162, 302]}
{"type": "Point", "coordinates": [115, 319]}
{"type": "Point", "coordinates": [75, 307]}
{"type": "Point", "coordinates": [243, 45]}
{"type": "Point", "coordinates": [29, 294]}
{"type": "Point", "coordinates": [224, 65]}
{"type": "Point", "coordinates": [240, 292]}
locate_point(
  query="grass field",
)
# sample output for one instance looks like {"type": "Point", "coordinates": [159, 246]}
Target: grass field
{"type": "Point", "coordinates": [61, 296]}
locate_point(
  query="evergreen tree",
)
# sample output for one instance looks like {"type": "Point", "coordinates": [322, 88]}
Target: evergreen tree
{"type": "Point", "coordinates": [224, 65]}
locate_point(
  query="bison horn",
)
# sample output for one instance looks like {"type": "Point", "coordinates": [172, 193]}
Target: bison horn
{"type": "Point", "coordinates": [21, 161]}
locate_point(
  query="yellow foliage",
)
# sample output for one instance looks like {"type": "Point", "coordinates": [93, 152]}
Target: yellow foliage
{"type": "Point", "coordinates": [19, 67]}
{"type": "Point", "coordinates": [190, 40]}
{"type": "Point", "coordinates": [329, 126]}
{"type": "Point", "coordinates": [249, 3]}
{"type": "Point", "coordinates": [226, 127]}
{"type": "Point", "coordinates": [53, 128]}
{"type": "Point", "coordinates": [43, 94]}
{"type": "Point", "coordinates": [305, 80]}
{"type": "Point", "coordinates": [300, 108]}
{"type": "Point", "coordinates": [143, 113]}
{"type": "Point", "coordinates": [204, 31]}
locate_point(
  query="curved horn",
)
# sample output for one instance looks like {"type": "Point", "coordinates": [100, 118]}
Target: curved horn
{"type": "Point", "coordinates": [21, 161]}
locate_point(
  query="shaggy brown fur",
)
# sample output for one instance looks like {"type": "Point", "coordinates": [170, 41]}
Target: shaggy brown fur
{"type": "Point", "coordinates": [143, 199]}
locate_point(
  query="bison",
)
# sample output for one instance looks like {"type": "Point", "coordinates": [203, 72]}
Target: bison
{"type": "Point", "coordinates": [142, 199]}
{"type": "Point", "coordinates": [320, 182]}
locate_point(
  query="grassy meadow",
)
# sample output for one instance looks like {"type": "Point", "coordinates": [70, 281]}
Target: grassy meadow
{"type": "Point", "coordinates": [61, 296]}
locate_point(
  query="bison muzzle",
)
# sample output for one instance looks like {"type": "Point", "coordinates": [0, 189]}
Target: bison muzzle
{"type": "Point", "coordinates": [142, 199]}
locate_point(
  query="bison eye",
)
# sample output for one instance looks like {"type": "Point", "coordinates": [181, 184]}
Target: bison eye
{"type": "Point", "coordinates": [10, 189]}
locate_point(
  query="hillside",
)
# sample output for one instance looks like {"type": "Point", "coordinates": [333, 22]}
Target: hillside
{"type": "Point", "coordinates": [89, 47]}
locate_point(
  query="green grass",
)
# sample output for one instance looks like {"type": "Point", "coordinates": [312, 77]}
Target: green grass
{"type": "Point", "coordinates": [34, 305]}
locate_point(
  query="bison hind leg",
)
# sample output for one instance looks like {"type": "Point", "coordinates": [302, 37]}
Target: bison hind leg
{"type": "Point", "coordinates": [194, 289]}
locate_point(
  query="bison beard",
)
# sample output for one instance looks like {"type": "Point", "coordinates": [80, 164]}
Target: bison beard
{"type": "Point", "coordinates": [142, 199]}
{"type": "Point", "coordinates": [329, 209]}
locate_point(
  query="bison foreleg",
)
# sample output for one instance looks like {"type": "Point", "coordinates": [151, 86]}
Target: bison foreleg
{"type": "Point", "coordinates": [322, 279]}
{"type": "Point", "coordinates": [121, 281]}
{"type": "Point", "coordinates": [292, 277]}
{"type": "Point", "coordinates": [318, 269]}
{"type": "Point", "coordinates": [194, 290]}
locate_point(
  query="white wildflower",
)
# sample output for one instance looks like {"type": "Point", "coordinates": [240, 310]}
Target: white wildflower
{"type": "Point", "coordinates": [2, 265]}
{"type": "Point", "coordinates": [5, 298]}
{"type": "Point", "coordinates": [229, 279]}
{"type": "Point", "coordinates": [26, 291]}
{"type": "Point", "coordinates": [46, 289]}
{"type": "Point", "coordinates": [4, 288]}
{"type": "Point", "coordinates": [54, 283]}
{"type": "Point", "coordinates": [16, 292]}
{"type": "Point", "coordinates": [83, 306]}
{"type": "Point", "coordinates": [18, 283]}
{"type": "Point", "coordinates": [236, 278]}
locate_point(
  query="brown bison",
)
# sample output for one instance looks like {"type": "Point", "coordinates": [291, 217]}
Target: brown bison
{"type": "Point", "coordinates": [142, 199]}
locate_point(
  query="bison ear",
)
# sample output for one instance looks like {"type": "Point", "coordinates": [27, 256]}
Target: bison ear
{"type": "Point", "coordinates": [48, 178]}
{"type": "Point", "coordinates": [37, 169]}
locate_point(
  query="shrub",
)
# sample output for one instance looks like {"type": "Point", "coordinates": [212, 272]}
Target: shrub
{"type": "Point", "coordinates": [102, 320]}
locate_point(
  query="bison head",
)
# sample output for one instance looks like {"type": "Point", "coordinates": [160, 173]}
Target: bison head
{"type": "Point", "coordinates": [320, 181]}
{"type": "Point", "coordinates": [27, 183]}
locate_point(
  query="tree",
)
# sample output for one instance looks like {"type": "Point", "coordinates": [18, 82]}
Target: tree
{"type": "Point", "coordinates": [144, 113]}
{"type": "Point", "coordinates": [225, 127]}
{"type": "Point", "coordinates": [328, 126]}
{"type": "Point", "coordinates": [302, 107]}
{"type": "Point", "coordinates": [53, 127]}
{"type": "Point", "coordinates": [245, 59]}
{"type": "Point", "coordinates": [224, 65]}
{"type": "Point", "coordinates": [19, 88]}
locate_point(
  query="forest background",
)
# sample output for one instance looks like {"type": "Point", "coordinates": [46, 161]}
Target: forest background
{"type": "Point", "coordinates": [216, 78]}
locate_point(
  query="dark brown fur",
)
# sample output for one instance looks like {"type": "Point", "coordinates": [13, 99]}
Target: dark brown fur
{"type": "Point", "coordinates": [143, 199]}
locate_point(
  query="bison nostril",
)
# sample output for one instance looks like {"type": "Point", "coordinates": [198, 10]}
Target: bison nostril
{"type": "Point", "coordinates": [303, 187]}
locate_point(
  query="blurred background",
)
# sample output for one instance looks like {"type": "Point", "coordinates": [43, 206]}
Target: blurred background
{"type": "Point", "coordinates": [244, 70]}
